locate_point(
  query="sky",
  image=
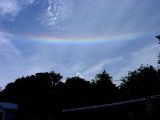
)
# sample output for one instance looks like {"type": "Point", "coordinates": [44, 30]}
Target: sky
{"type": "Point", "coordinates": [77, 37]}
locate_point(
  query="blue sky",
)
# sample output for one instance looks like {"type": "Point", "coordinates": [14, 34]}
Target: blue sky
{"type": "Point", "coordinates": [77, 37]}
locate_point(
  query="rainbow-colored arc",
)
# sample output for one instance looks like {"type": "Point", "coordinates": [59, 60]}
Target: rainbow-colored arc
{"type": "Point", "coordinates": [109, 38]}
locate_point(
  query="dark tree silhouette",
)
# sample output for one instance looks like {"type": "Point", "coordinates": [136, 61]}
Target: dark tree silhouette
{"type": "Point", "coordinates": [104, 90]}
{"type": "Point", "coordinates": [43, 96]}
{"type": "Point", "coordinates": [76, 92]}
{"type": "Point", "coordinates": [141, 83]}
{"type": "Point", "coordinates": [34, 93]}
{"type": "Point", "coordinates": [38, 84]}
{"type": "Point", "coordinates": [158, 37]}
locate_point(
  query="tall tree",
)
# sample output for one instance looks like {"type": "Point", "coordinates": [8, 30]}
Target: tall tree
{"type": "Point", "coordinates": [103, 89]}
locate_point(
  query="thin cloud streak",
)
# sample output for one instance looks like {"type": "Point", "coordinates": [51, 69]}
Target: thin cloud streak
{"type": "Point", "coordinates": [144, 56]}
{"type": "Point", "coordinates": [93, 70]}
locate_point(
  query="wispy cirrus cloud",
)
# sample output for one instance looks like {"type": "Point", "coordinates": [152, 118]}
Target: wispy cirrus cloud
{"type": "Point", "coordinates": [13, 7]}
{"type": "Point", "coordinates": [56, 12]}
{"type": "Point", "coordinates": [93, 70]}
{"type": "Point", "coordinates": [146, 55]}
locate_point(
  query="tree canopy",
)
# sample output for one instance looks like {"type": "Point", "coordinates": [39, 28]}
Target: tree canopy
{"type": "Point", "coordinates": [141, 83]}
{"type": "Point", "coordinates": [47, 91]}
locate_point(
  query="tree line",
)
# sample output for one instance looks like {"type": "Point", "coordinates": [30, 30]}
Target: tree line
{"type": "Point", "coordinates": [44, 94]}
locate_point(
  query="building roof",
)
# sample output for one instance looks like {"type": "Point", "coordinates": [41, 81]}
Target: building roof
{"type": "Point", "coordinates": [8, 106]}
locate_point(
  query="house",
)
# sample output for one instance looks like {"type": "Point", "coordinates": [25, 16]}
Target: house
{"type": "Point", "coordinates": [8, 111]}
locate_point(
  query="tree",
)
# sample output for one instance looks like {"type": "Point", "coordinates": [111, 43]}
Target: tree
{"type": "Point", "coordinates": [141, 83]}
{"type": "Point", "coordinates": [35, 93]}
{"type": "Point", "coordinates": [76, 92]}
{"type": "Point", "coordinates": [158, 37]}
{"type": "Point", "coordinates": [38, 84]}
{"type": "Point", "coordinates": [103, 80]}
{"type": "Point", "coordinates": [103, 89]}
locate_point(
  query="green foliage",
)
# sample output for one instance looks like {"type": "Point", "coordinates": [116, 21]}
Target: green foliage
{"type": "Point", "coordinates": [38, 84]}
{"type": "Point", "coordinates": [142, 82]}
{"type": "Point", "coordinates": [34, 94]}
{"type": "Point", "coordinates": [103, 89]}
{"type": "Point", "coordinates": [76, 92]}
{"type": "Point", "coordinates": [76, 83]}
{"type": "Point", "coordinates": [103, 80]}
{"type": "Point", "coordinates": [46, 91]}
{"type": "Point", "coordinates": [158, 37]}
